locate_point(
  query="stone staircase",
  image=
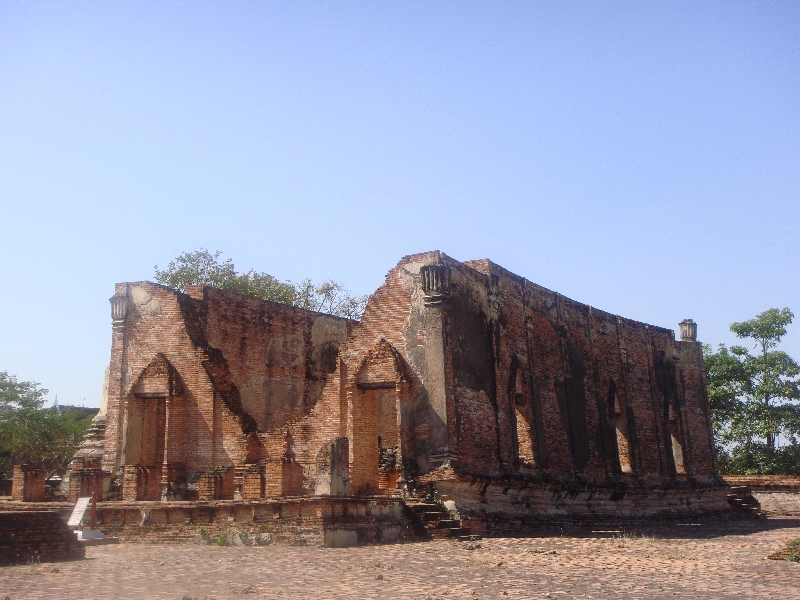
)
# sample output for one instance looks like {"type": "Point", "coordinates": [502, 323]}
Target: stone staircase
{"type": "Point", "coordinates": [430, 520]}
{"type": "Point", "coordinates": [742, 500]}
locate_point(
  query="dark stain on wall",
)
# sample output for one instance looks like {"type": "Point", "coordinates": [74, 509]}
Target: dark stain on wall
{"type": "Point", "coordinates": [327, 357]}
{"type": "Point", "coordinates": [195, 314]}
{"type": "Point", "coordinates": [471, 336]}
{"type": "Point", "coordinates": [571, 396]}
{"type": "Point", "coordinates": [471, 347]}
{"type": "Point", "coordinates": [667, 385]}
{"type": "Point", "coordinates": [606, 434]}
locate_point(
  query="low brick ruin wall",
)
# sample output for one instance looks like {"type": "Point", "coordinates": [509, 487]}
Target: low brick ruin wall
{"type": "Point", "coordinates": [36, 536]}
{"type": "Point", "coordinates": [486, 507]}
{"type": "Point", "coordinates": [503, 509]}
{"type": "Point", "coordinates": [778, 495]}
{"type": "Point", "coordinates": [320, 521]}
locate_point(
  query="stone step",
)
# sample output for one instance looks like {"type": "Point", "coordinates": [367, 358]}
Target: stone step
{"type": "Point", "coordinates": [447, 524]}
{"type": "Point", "coordinates": [424, 507]}
{"type": "Point", "coordinates": [471, 537]}
{"type": "Point", "coordinates": [456, 533]}
{"type": "Point", "coordinates": [459, 533]}
{"type": "Point", "coordinates": [431, 516]}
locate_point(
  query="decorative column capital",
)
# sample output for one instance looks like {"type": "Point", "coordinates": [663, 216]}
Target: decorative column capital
{"type": "Point", "coordinates": [435, 282]}
{"type": "Point", "coordinates": [119, 310]}
{"type": "Point", "coordinates": [688, 330]}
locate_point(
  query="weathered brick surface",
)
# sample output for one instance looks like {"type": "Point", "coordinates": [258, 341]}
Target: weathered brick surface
{"type": "Point", "coordinates": [588, 372]}
{"type": "Point", "coordinates": [83, 482]}
{"type": "Point", "coordinates": [457, 373]}
{"type": "Point", "coordinates": [27, 484]}
{"type": "Point", "coordinates": [316, 521]}
{"type": "Point", "coordinates": [36, 536]}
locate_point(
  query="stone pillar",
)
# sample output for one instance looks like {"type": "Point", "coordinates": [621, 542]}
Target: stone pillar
{"type": "Point", "coordinates": [216, 484]}
{"type": "Point", "coordinates": [333, 468]}
{"type": "Point", "coordinates": [434, 439]}
{"type": "Point", "coordinates": [86, 478]}
{"type": "Point", "coordinates": [28, 484]}
{"type": "Point", "coordinates": [169, 471]}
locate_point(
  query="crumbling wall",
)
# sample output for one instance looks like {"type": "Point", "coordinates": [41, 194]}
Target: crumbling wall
{"type": "Point", "coordinates": [149, 329]}
{"type": "Point", "coordinates": [200, 372]}
{"type": "Point", "coordinates": [396, 346]}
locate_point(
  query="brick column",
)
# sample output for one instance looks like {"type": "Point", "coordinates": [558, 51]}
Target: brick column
{"type": "Point", "coordinates": [28, 484]}
{"type": "Point", "coordinates": [115, 410]}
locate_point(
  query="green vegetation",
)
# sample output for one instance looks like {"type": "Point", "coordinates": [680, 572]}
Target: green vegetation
{"type": "Point", "coordinates": [203, 268]}
{"type": "Point", "coordinates": [754, 399]}
{"type": "Point", "coordinates": [794, 550]}
{"type": "Point", "coordinates": [33, 435]}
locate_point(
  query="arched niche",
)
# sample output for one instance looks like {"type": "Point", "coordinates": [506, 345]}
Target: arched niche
{"type": "Point", "coordinates": [154, 444]}
{"type": "Point", "coordinates": [376, 428]}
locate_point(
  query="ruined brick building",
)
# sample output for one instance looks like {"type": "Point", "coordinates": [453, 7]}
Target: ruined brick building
{"type": "Point", "coordinates": [511, 400]}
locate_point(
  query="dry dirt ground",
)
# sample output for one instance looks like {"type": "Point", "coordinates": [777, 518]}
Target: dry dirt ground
{"type": "Point", "coordinates": [706, 560]}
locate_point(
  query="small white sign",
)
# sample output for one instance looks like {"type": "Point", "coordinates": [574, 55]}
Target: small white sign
{"type": "Point", "coordinates": [77, 512]}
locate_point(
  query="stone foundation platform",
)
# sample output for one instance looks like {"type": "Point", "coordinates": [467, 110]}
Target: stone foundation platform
{"type": "Point", "coordinates": [319, 521]}
{"type": "Point", "coordinates": [498, 507]}
{"type": "Point", "coordinates": [482, 507]}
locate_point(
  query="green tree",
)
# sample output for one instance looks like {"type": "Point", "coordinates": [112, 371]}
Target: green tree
{"type": "Point", "coordinates": [753, 399]}
{"type": "Point", "coordinates": [33, 435]}
{"type": "Point", "coordinates": [330, 297]}
{"type": "Point", "coordinates": [203, 268]}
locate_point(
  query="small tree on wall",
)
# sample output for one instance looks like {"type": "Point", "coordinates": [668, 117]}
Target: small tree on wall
{"type": "Point", "coordinates": [204, 268]}
{"type": "Point", "coordinates": [754, 399]}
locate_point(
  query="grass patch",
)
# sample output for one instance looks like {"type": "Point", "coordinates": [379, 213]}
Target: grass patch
{"type": "Point", "coordinates": [794, 550]}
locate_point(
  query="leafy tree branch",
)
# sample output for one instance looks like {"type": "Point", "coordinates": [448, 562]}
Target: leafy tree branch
{"type": "Point", "coordinates": [204, 268]}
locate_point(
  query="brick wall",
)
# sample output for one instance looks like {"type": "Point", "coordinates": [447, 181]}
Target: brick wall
{"type": "Point", "coordinates": [600, 388]}
{"type": "Point", "coordinates": [299, 521]}
{"type": "Point", "coordinates": [27, 484]}
{"type": "Point", "coordinates": [36, 536]}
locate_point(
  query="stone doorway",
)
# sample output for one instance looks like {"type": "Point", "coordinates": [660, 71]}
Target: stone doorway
{"type": "Point", "coordinates": [144, 447]}
{"type": "Point", "coordinates": [375, 438]}
{"type": "Point", "coordinates": [153, 453]}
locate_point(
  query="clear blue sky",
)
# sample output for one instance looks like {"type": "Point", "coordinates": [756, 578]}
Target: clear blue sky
{"type": "Point", "coordinates": [642, 158]}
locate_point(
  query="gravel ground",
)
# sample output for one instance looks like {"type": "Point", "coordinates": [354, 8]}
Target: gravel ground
{"type": "Point", "coordinates": [697, 560]}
